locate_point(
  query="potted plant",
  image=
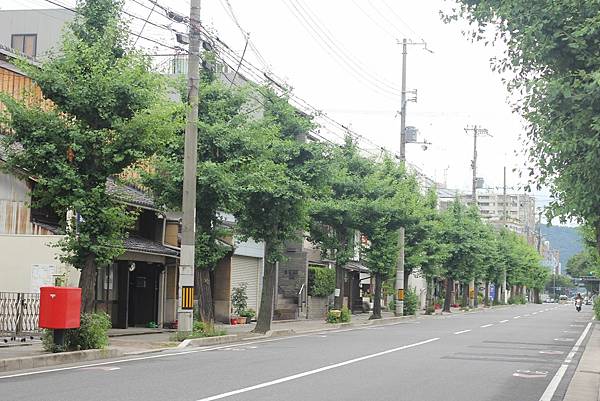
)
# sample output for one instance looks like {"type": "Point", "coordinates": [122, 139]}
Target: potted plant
{"type": "Point", "coordinates": [239, 302]}
{"type": "Point", "coordinates": [248, 314]}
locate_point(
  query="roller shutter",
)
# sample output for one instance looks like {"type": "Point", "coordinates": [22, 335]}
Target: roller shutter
{"type": "Point", "coordinates": [245, 269]}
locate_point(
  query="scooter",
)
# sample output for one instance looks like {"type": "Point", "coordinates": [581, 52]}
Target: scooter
{"type": "Point", "coordinates": [578, 305]}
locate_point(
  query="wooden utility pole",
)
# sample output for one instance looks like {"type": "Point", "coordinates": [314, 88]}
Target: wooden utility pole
{"type": "Point", "coordinates": [185, 308]}
{"type": "Point", "coordinates": [477, 131]}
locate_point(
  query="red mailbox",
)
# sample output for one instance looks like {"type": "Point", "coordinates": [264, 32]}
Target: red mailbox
{"type": "Point", "coordinates": [60, 307]}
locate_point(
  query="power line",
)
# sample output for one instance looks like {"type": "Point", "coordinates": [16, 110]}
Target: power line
{"type": "Point", "coordinates": [131, 33]}
{"type": "Point", "coordinates": [330, 48]}
{"type": "Point", "coordinates": [328, 34]}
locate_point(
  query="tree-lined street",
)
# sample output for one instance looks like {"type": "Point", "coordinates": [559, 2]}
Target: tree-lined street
{"type": "Point", "coordinates": [505, 353]}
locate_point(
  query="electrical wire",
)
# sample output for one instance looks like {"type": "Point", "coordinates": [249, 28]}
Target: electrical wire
{"type": "Point", "coordinates": [343, 50]}
{"type": "Point", "coordinates": [335, 54]}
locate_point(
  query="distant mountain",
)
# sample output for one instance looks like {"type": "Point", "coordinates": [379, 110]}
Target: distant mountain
{"type": "Point", "coordinates": [567, 240]}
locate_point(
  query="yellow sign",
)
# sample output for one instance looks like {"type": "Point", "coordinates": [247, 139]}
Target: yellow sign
{"type": "Point", "coordinates": [187, 297]}
{"type": "Point", "coordinates": [471, 293]}
{"type": "Point", "coordinates": [401, 295]}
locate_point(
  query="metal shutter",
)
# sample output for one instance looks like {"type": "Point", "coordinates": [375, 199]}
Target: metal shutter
{"type": "Point", "coordinates": [245, 269]}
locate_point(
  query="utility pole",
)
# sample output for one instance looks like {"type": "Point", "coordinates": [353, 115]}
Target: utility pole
{"type": "Point", "coordinates": [188, 235]}
{"type": "Point", "coordinates": [505, 220]}
{"type": "Point", "coordinates": [400, 265]}
{"type": "Point", "coordinates": [477, 131]}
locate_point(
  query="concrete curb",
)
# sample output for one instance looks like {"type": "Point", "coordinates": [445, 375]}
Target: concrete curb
{"type": "Point", "coordinates": [40, 361]}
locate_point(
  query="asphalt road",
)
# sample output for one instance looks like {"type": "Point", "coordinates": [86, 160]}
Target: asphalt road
{"type": "Point", "coordinates": [519, 353]}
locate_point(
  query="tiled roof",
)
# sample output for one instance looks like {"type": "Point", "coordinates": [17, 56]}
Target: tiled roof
{"type": "Point", "coordinates": [356, 266]}
{"type": "Point", "coordinates": [129, 194]}
{"type": "Point", "coordinates": [139, 244]}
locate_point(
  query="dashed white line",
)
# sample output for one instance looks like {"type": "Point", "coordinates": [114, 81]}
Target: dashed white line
{"type": "Point", "coordinates": [462, 331]}
{"type": "Point", "coordinates": [503, 321]}
{"type": "Point", "coordinates": [312, 372]}
{"type": "Point", "coordinates": [516, 317]}
{"type": "Point", "coordinates": [486, 325]}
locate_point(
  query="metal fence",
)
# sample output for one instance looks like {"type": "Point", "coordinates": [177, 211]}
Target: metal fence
{"type": "Point", "coordinates": [19, 313]}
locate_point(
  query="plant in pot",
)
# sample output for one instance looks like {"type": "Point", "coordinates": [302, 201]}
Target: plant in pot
{"type": "Point", "coordinates": [248, 314]}
{"type": "Point", "coordinates": [239, 302]}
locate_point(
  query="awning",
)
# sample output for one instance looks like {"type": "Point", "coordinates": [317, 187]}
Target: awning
{"type": "Point", "coordinates": [356, 267]}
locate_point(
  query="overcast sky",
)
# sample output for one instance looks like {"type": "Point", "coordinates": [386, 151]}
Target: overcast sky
{"type": "Point", "coordinates": [349, 66]}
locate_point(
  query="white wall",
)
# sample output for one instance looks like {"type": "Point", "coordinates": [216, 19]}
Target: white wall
{"type": "Point", "coordinates": [20, 255]}
{"type": "Point", "coordinates": [419, 284]}
{"type": "Point", "coordinates": [47, 24]}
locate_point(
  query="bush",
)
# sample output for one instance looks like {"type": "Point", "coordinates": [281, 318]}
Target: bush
{"type": "Point", "coordinates": [392, 305]}
{"type": "Point", "coordinates": [411, 300]}
{"type": "Point", "coordinates": [92, 334]}
{"type": "Point", "coordinates": [597, 307]}
{"type": "Point", "coordinates": [199, 330]}
{"type": "Point", "coordinates": [334, 316]}
{"type": "Point", "coordinates": [248, 313]}
{"type": "Point", "coordinates": [321, 281]}
{"type": "Point", "coordinates": [345, 315]}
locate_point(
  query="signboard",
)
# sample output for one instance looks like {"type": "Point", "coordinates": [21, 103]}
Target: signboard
{"type": "Point", "coordinates": [187, 297]}
{"type": "Point", "coordinates": [42, 275]}
{"type": "Point", "coordinates": [400, 295]}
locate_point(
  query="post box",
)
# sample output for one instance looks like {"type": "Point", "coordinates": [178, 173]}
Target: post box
{"type": "Point", "coordinates": [60, 307]}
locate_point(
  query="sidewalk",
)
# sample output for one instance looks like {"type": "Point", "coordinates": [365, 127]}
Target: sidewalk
{"type": "Point", "coordinates": [585, 385]}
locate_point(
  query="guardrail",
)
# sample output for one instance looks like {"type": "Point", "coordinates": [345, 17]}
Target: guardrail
{"type": "Point", "coordinates": [19, 313]}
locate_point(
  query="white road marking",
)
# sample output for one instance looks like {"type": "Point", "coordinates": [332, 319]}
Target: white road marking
{"type": "Point", "coordinates": [551, 389]}
{"type": "Point", "coordinates": [534, 313]}
{"type": "Point", "coordinates": [462, 331]}
{"type": "Point", "coordinates": [503, 321]}
{"type": "Point", "coordinates": [551, 352]}
{"type": "Point", "coordinates": [564, 339]}
{"type": "Point", "coordinates": [486, 325]}
{"type": "Point", "coordinates": [314, 371]}
{"type": "Point", "coordinates": [528, 374]}
{"type": "Point", "coordinates": [526, 314]}
{"type": "Point", "coordinates": [191, 350]}
{"type": "Point", "coordinates": [516, 317]}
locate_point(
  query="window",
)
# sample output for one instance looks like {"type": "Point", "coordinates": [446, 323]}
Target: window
{"type": "Point", "coordinates": [25, 43]}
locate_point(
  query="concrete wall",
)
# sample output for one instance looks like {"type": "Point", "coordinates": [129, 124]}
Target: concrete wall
{"type": "Point", "coordinates": [293, 272]}
{"type": "Point", "coordinates": [27, 261]}
{"type": "Point", "coordinates": [222, 290]}
{"type": "Point", "coordinates": [47, 24]}
{"type": "Point", "coordinates": [317, 307]}
{"type": "Point", "coordinates": [419, 284]}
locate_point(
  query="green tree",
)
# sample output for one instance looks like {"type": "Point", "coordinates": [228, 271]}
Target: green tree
{"type": "Point", "coordinates": [105, 113]}
{"type": "Point", "coordinates": [391, 197]}
{"type": "Point", "coordinates": [551, 52]}
{"type": "Point", "coordinates": [226, 137]}
{"type": "Point", "coordinates": [333, 218]}
{"type": "Point", "coordinates": [582, 264]}
{"type": "Point", "coordinates": [461, 230]}
{"type": "Point", "coordinates": [273, 187]}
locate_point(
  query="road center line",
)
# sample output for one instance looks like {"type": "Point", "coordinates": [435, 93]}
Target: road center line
{"type": "Point", "coordinates": [463, 331]}
{"type": "Point", "coordinates": [486, 325]}
{"type": "Point", "coordinates": [314, 371]}
{"type": "Point", "coordinates": [503, 321]}
{"type": "Point", "coordinates": [551, 389]}
{"type": "Point", "coordinates": [516, 317]}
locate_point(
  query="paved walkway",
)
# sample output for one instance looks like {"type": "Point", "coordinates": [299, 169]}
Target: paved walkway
{"type": "Point", "coordinates": [585, 384]}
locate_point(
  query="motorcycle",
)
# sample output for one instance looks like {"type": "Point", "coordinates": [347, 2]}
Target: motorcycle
{"type": "Point", "coordinates": [578, 305]}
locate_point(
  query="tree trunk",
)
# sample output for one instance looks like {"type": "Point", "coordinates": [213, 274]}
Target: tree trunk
{"type": "Point", "coordinates": [267, 298]}
{"type": "Point", "coordinates": [448, 297]}
{"type": "Point", "coordinates": [465, 295]}
{"type": "Point", "coordinates": [339, 283]}
{"type": "Point", "coordinates": [205, 299]}
{"type": "Point", "coordinates": [377, 297]}
{"type": "Point", "coordinates": [496, 292]}
{"type": "Point", "coordinates": [536, 296]}
{"type": "Point", "coordinates": [486, 297]}
{"type": "Point", "coordinates": [87, 283]}
{"type": "Point", "coordinates": [476, 294]}
{"type": "Point", "coordinates": [429, 306]}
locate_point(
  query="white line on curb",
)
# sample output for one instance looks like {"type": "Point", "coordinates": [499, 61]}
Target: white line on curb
{"type": "Point", "coordinates": [314, 371]}
{"type": "Point", "coordinates": [463, 331]}
{"type": "Point", "coordinates": [551, 389]}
